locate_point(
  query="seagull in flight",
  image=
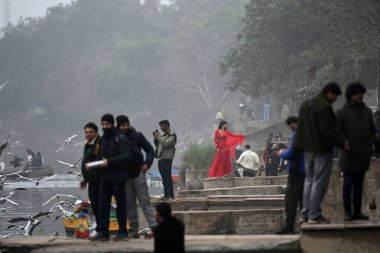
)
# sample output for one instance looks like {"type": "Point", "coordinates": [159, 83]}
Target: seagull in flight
{"type": "Point", "coordinates": [57, 196]}
{"type": "Point", "coordinates": [67, 141]}
{"type": "Point", "coordinates": [8, 235]}
{"type": "Point", "coordinates": [2, 86]}
{"type": "Point", "coordinates": [37, 182]}
{"type": "Point", "coordinates": [72, 166]}
{"type": "Point", "coordinates": [61, 204]}
{"type": "Point", "coordinates": [32, 223]}
{"type": "Point", "coordinates": [6, 197]}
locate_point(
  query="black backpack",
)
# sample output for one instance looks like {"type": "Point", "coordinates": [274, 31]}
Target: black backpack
{"type": "Point", "coordinates": [137, 159]}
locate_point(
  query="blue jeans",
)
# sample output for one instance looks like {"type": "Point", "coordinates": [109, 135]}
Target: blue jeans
{"type": "Point", "coordinates": [353, 189]}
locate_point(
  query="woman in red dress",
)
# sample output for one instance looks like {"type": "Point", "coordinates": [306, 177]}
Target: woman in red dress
{"type": "Point", "coordinates": [225, 142]}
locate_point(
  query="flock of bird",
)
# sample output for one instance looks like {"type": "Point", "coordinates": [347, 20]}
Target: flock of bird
{"type": "Point", "coordinates": [62, 204]}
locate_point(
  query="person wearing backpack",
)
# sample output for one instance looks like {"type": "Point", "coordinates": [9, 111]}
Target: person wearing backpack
{"type": "Point", "coordinates": [137, 187]}
{"type": "Point", "coordinates": [115, 151]}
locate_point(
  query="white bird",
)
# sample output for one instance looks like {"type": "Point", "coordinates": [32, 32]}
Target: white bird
{"type": "Point", "coordinates": [6, 197]}
{"type": "Point", "coordinates": [57, 196]}
{"type": "Point", "coordinates": [61, 204]}
{"type": "Point", "coordinates": [67, 141]}
{"type": "Point", "coordinates": [29, 227]}
{"type": "Point", "coordinates": [7, 235]}
{"type": "Point", "coordinates": [37, 182]}
{"type": "Point", "coordinates": [2, 86]}
{"type": "Point", "coordinates": [78, 174]}
{"type": "Point", "coordinates": [74, 165]}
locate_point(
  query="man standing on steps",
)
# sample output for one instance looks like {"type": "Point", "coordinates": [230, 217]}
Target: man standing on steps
{"type": "Point", "coordinates": [137, 187]}
{"type": "Point", "coordinates": [296, 171]}
{"type": "Point", "coordinates": [165, 151]}
{"type": "Point", "coordinates": [249, 161]}
{"type": "Point", "coordinates": [316, 136]}
{"type": "Point", "coordinates": [355, 125]}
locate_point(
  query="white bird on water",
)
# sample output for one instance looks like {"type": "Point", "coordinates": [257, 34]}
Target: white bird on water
{"type": "Point", "coordinates": [31, 224]}
{"type": "Point", "coordinates": [37, 182]}
{"type": "Point", "coordinates": [72, 166]}
{"type": "Point", "coordinates": [2, 86]}
{"type": "Point", "coordinates": [67, 141]}
{"type": "Point", "coordinates": [58, 196]}
{"type": "Point", "coordinates": [6, 197]}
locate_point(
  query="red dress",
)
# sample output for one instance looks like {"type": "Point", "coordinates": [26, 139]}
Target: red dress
{"type": "Point", "coordinates": [225, 143]}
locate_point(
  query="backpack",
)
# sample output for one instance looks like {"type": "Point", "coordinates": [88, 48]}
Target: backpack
{"type": "Point", "coordinates": [135, 164]}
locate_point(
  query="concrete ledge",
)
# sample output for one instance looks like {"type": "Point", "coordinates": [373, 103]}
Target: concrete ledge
{"type": "Point", "coordinates": [193, 244]}
{"type": "Point", "coordinates": [353, 225]}
{"type": "Point", "coordinates": [228, 182]}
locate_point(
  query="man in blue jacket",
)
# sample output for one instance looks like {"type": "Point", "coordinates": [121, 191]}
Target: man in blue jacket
{"type": "Point", "coordinates": [296, 171]}
{"type": "Point", "coordinates": [137, 187]}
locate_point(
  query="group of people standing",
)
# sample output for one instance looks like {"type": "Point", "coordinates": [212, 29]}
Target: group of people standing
{"type": "Point", "coordinates": [115, 149]}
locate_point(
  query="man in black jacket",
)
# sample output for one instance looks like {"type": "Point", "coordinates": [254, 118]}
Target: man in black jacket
{"type": "Point", "coordinates": [116, 154]}
{"type": "Point", "coordinates": [90, 154]}
{"type": "Point", "coordinates": [137, 187]}
{"type": "Point", "coordinates": [356, 126]}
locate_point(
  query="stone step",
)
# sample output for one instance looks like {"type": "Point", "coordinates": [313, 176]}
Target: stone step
{"type": "Point", "coordinates": [204, 204]}
{"type": "Point", "coordinates": [243, 190]}
{"type": "Point", "coordinates": [228, 182]}
{"type": "Point", "coordinates": [250, 221]}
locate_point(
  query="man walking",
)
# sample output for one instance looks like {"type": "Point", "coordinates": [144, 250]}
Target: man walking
{"type": "Point", "coordinates": [116, 154]}
{"type": "Point", "coordinates": [356, 126]}
{"type": "Point", "coordinates": [249, 161]}
{"type": "Point", "coordinates": [137, 187]}
{"type": "Point", "coordinates": [296, 171]}
{"type": "Point", "coordinates": [165, 151]}
{"type": "Point", "coordinates": [91, 154]}
{"type": "Point", "coordinates": [316, 136]}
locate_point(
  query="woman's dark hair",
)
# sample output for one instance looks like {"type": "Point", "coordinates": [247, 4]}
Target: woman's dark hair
{"type": "Point", "coordinates": [221, 124]}
{"type": "Point", "coordinates": [353, 89]}
{"type": "Point", "coordinates": [92, 126]}
{"type": "Point", "coordinates": [333, 87]}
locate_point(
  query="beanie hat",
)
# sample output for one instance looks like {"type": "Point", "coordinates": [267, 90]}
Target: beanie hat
{"type": "Point", "coordinates": [121, 119]}
{"type": "Point", "coordinates": [108, 118]}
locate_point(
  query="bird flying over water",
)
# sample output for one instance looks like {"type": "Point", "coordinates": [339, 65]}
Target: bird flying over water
{"type": "Point", "coordinates": [67, 141]}
{"type": "Point", "coordinates": [3, 85]}
{"type": "Point", "coordinates": [37, 182]}
{"type": "Point", "coordinates": [74, 165]}
{"type": "Point", "coordinates": [6, 197]}
{"type": "Point", "coordinates": [57, 196]}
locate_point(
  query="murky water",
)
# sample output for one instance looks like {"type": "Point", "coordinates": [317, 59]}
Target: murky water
{"type": "Point", "coordinates": [30, 202]}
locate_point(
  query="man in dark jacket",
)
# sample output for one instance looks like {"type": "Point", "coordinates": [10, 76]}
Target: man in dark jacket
{"type": "Point", "coordinates": [169, 235]}
{"type": "Point", "coordinates": [116, 154]}
{"type": "Point", "coordinates": [296, 171]}
{"type": "Point", "coordinates": [91, 154]}
{"type": "Point", "coordinates": [316, 136]}
{"type": "Point", "coordinates": [356, 126]}
{"type": "Point", "coordinates": [137, 187]}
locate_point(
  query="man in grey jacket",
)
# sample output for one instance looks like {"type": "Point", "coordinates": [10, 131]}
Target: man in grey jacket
{"type": "Point", "coordinates": [165, 151]}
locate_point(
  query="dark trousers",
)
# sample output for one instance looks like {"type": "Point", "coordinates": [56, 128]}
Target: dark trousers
{"type": "Point", "coordinates": [94, 196]}
{"type": "Point", "coordinates": [106, 192]}
{"type": "Point", "coordinates": [293, 196]}
{"type": "Point", "coordinates": [353, 189]}
{"type": "Point", "coordinates": [249, 173]}
{"type": "Point", "coordinates": [165, 168]}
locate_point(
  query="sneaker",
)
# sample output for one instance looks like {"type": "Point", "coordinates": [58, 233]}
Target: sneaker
{"type": "Point", "coordinates": [302, 220]}
{"type": "Point", "coordinates": [319, 220]}
{"type": "Point", "coordinates": [121, 237]}
{"type": "Point", "coordinates": [100, 237]}
{"type": "Point", "coordinates": [360, 216]}
{"type": "Point", "coordinates": [285, 231]}
{"type": "Point", "coordinates": [348, 217]}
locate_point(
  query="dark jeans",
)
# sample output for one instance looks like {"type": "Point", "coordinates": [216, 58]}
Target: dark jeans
{"type": "Point", "coordinates": [293, 196]}
{"type": "Point", "coordinates": [249, 173]}
{"type": "Point", "coordinates": [94, 196]}
{"type": "Point", "coordinates": [106, 192]}
{"type": "Point", "coordinates": [353, 189]}
{"type": "Point", "coordinates": [165, 168]}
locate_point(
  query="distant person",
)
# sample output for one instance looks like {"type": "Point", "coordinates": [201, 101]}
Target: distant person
{"type": "Point", "coordinates": [376, 144]}
{"type": "Point", "coordinates": [169, 235]}
{"type": "Point", "coordinates": [137, 187]}
{"type": "Point", "coordinates": [39, 159]}
{"type": "Point", "coordinates": [30, 159]}
{"type": "Point", "coordinates": [356, 126]}
{"type": "Point", "coordinates": [274, 161]}
{"type": "Point", "coordinates": [116, 154]}
{"type": "Point", "coordinates": [296, 172]}
{"type": "Point", "coordinates": [316, 136]}
{"type": "Point", "coordinates": [165, 151]}
{"type": "Point", "coordinates": [266, 110]}
{"type": "Point", "coordinates": [249, 161]}
{"type": "Point", "coordinates": [266, 158]}
{"type": "Point", "coordinates": [91, 177]}
{"type": "Point", "coordinates": [225, 143]}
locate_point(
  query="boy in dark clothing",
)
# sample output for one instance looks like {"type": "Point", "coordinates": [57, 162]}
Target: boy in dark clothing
{"type": "Point", "coordinates": [116, 154]}
{"type": "Point", "coordinates": [91, 154]}
{"type": "Point", "coordinates": [169, 235]}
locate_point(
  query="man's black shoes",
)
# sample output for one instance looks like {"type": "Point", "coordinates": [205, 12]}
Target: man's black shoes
{"type": "Point", "coordinates": [100, 238]}
{"type": "Point", "coordinates": [359, 216]}
{"type": "Point", "coordinates": [121, 237]}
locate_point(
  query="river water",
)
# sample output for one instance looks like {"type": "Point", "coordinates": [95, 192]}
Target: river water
{"type": "Point", "coordinates": [30, 202]}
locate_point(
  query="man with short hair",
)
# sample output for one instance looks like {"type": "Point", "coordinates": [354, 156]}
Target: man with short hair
{"type": "Point", "coordinates": [356, 126]}
{"type": "Point", "coordinates": [165, 151]}
{"type": "Point", "coordinates": [249, 161]}
{"type": "Point", "coordinates": [296, 177]}
{"type": "Point", "coordinates": [91, 177]}
{"type": "Point", "coordinates": [116, 155]}
{"type": "Point", "coordinates": [137, 187]}
{"type": "Point", "coordinates": [316, 136]}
